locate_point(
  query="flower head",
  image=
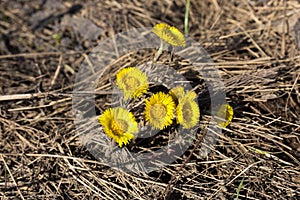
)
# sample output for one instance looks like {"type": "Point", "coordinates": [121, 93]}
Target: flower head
{"type": "Point", "coordinates": [187, 110]}
{"type": "Point", "coordinates": [119, 124]}
{"type": "Point", "coordinates": [177, 93]}
{"type": "Point", "coordinates": [159, 110]}
{"type": "Point", "coordinates": [169, 34]}
{"type": "Point", "coordinates": [133, 82]}
{"type": "Point", "coordinates": [224, 115]}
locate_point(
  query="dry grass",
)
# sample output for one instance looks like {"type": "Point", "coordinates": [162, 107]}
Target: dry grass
{"type": "Point", "coordinates": [252, 43]}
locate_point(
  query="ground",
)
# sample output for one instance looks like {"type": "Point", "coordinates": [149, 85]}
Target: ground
{"type": "Point", "coordinates": [255, 46]}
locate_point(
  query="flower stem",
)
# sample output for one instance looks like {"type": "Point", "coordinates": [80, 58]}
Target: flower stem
{"type": "Point", "coordinates": [159, 52]}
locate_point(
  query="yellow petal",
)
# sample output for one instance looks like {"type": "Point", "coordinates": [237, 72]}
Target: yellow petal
{"type": "Point", "coordinates": [119, 124]}
{"type": "Point", "coordinates": [169, 34]}
{"type": "Point", "coordinates": [224, 115]}
{"type": "Point", "coordinates": [187, 112]}
{"type": "Point", "coordinates": [133, 82]}
{"type": "Point", "coordinates": [159, 110]}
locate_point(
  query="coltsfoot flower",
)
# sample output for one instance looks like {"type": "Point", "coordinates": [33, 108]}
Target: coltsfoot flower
{"type": "Point", "coordinates": [169, 34]}
{"type": "Point", "coordinates": [187, 110]}
{"type": "Point", "coordinates": [224, 115]}
{"type": "Point", "coordinates": [133, 82]}
{"type": "Point", "coordinates": [159, 110]}
{"type": "Point", "coordinates": [119, 124]}
{"type": "Point", "coordinates": [177, 93]}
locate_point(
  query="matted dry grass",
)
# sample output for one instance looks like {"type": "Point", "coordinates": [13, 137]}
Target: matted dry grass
{"type": "Point", "coordinates": [253, 44]}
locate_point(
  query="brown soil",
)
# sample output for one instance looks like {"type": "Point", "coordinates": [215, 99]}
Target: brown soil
{"type": "Point", "coordinates": [254, 44]}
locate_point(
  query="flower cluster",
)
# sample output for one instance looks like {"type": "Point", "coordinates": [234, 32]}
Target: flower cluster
{"type": "Point", "coordinates": [118, 123]}
{"type": "Point", "coordinates": [161, 109]}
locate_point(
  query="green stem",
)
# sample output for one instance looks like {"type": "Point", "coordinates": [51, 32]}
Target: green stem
{"type": "Point", "coordinates": [186, 17]}
{"type": "Point", "coordinates": [239, 189]}
{"type": "Point", "coordinates": [159, 52]}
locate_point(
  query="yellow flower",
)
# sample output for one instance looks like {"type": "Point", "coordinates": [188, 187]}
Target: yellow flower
{"type": "Point", "coordinates": [187, 110]}
{"type": "Point", "coordinates": [177, 92]}
{"type": "Point", "coordinates": [169, 34]}
{"type": "Point", "coordinates": [224, 115]}
{"type": "Point", "coordinates": [159, 110]}
{"type": "Point", "coordinates": [119, 124]}
{"type": "Point", "coordinates": [133, 82]}
{"type": "Point", "coordinates": [191, 95]}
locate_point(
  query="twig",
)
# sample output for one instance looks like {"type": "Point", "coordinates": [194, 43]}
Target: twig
{"type": "Point", "coordinates": [290, 92]}
{"type": "Point", "coordinates": [242, 172]}
{"type": "Point", "coordinates": [45, 94]}
{"type": "Point", "coordinates": [285, 29]}
{"type": "Point", "coordinates": [37, 54]}
{"type": "Point", "coordinates": [56, 72]}
{"type": "Point", "coordinates": [249, 36]}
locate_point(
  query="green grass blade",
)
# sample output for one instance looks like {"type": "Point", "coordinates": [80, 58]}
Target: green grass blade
{"type": "Point", "coordinates": [186, 17]}
{"type": "Point", "coordinates": [239, 189]}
